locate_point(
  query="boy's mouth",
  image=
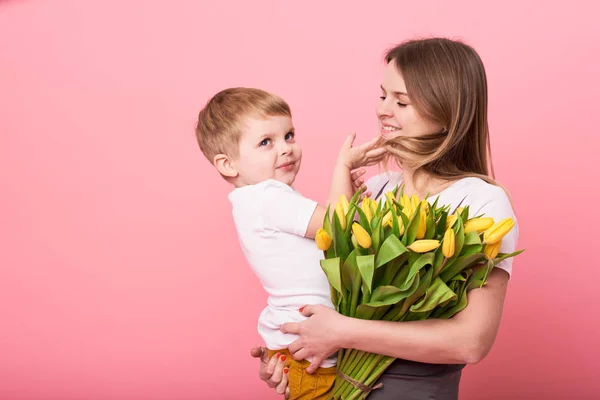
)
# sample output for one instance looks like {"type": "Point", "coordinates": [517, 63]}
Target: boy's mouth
{"type": "Point", "coordinates": [286, 166]}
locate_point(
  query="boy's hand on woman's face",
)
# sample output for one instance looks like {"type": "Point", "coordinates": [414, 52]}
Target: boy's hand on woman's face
{"type": "Point", "coordinates": [364, 155]}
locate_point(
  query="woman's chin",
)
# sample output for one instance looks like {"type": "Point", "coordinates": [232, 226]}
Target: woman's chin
{"type": "Point", "coordinates": [389, 135]}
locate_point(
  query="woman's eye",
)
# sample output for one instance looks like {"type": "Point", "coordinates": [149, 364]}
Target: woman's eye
{"type": "Point", "coordinates": [382, 97]}
{"type": "Point", "coordinates": [402, 104]}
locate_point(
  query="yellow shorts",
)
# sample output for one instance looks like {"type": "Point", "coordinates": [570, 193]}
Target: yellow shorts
{"type": "Point", "coordinates": [305, 386]}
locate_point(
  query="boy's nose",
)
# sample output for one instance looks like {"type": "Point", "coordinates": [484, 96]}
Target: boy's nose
{"type": "Point", "coordinates": [285, 149]}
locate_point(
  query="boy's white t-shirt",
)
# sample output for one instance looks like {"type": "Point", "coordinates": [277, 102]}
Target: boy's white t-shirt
{"type": "Point", "coordinates": [480, 196]}
{"type": "Point", "coordinates": [271, 219]}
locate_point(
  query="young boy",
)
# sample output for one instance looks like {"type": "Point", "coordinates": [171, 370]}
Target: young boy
{"type": "Point", "coordinates": [248, 135]}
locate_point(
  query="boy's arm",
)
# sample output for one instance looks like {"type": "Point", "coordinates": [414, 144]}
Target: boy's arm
{"type": "Point", "coordinates": [316, 221]}
{"type": "Point", "coordinates": [341, 183]}
{"type": "Point", "coordinates": [348, 159]}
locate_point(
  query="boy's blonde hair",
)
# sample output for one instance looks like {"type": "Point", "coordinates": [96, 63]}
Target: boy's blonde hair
{"type": "Point", "coordinates": [220, 122]}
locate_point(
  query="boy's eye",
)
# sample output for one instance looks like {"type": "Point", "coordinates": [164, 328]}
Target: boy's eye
{"type": "Point", "coordinates": [289, 135]}
{"type": "Point", "coordinates": [264, 142]}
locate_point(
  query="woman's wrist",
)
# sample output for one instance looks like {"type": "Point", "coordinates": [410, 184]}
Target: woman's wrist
{"type": "Point", "coordinates": [345, 334]}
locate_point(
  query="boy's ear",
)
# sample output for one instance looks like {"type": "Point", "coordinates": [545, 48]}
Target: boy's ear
{"type": "Point", "coordinates": [224, 165]}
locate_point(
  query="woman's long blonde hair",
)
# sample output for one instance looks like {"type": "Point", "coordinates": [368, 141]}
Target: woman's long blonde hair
{"type": "Point", "coordinates": [446, 82]}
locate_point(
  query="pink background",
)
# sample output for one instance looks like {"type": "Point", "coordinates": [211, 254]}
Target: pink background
{"type": "Point", "coordinates": [120, 273]}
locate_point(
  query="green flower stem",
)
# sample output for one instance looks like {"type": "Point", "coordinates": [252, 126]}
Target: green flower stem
{"type": "Point", "coordinates": [369, 366]}
{"type": "Point", "coordinates": [384, 363]}
{"type": "Point", "coordinates": [356, 365]}
{"type": "Point", "coordinates": [365, 364]}
{"type": "Point", "coordinates": [343, 358]}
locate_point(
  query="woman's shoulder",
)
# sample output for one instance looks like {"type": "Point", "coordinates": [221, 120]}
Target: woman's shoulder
{"type": "Point", "coordinates": [487, 199]}
{"type": "Point", "coordinates": [482, 188]}
{"type": "Point", "coordinates": [482, 196]}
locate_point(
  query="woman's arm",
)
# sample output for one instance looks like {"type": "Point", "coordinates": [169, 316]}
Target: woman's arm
{"type": "Point", "coordinates": [466, 338]}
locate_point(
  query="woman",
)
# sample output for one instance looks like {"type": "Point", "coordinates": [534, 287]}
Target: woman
{"type": "Point", "coordinates": [433, 122]}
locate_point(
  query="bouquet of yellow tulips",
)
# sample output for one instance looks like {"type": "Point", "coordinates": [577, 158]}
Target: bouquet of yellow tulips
{"type": "Point", "coordinates": [401, 260]}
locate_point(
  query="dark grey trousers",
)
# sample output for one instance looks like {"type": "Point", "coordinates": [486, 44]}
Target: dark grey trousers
{"type": "Point", "coordinates": [409, 380]}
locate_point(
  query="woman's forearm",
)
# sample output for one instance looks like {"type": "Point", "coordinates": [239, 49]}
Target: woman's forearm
{"type": "Point", "coordinates": [431, 341]}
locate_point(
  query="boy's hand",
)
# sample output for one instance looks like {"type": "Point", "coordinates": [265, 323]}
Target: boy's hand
{"type": "Point", "coordinates": [360, 156]}
{"type": "Point", "coordinates": [272, 371]}
{"type": "Point", "coordinates": [358, 182]}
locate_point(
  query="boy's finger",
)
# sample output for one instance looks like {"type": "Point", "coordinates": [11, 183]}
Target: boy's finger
{"type": "Point", "coordinates": [379, 152]}
{"type": "Point", "coordinates": [349, 140]}
{"type": "Point", "coordinates": [357, 174]}
{"type": "Point", "coordinates": [278, 371]}
{"type": "Point", "coordinates": [256, 352]}
{"type": "Point", "coordinates": [272, 364]}
{"type": "Point", "coordinates": [283, 385]}
{"type": "Point", "coordinates": [376, 140]}
{"type": "Point", "coordinates": [260, 352]}
{"type": "Point", "coordinates": [372, 143]}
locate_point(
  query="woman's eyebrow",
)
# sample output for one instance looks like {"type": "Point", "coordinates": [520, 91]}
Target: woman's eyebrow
{"type": "Point", "coordinates": [396, 93]}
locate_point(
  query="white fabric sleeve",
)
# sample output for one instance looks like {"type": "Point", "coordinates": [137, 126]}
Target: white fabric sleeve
{"type": "Point", "coordinates": [284, 209]}
{"type": "Point", "coordinates": [499, 208]}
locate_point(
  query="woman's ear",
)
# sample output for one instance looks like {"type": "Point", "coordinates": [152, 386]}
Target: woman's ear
{"type": "Point", "coordinates": [225, 166]}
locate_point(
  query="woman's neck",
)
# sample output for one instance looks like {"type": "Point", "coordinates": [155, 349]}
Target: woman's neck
{"type": "Point", "coordinates": [422, 183]}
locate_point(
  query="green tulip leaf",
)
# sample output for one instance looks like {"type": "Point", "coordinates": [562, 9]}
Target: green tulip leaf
{"type": "Point", "coordinates": [349, 270]}
{"type": "Point", "coordinates": [437, 294]}
{"type": "Point", "coordinates": [430, 234]}
{"type": "Point", "coordinates": [331, 267]}
{"type": "Point", "coordinates": [460, 305]}
{"type": "Point", "coordinates": [356, 194]}
{"type": "Point", "coordinates": [391, 248]}
{"type": "Point", "coordinates": [387, 296]}
{"type": "Point", "coordinates": [472, 244]}
{"type": "Point", "coordinates": [413, 227]}
{"type": "Point", "coordinates": [366, 267]}
{"type": "Point", "coordinates": [441, 224]}
{"type": "Point", "coordinates": [376, 233]}
{"type": "Point", "coordinates": [504, 256]}
{"type": "Point", "coordinates": [422, 261]}
{"type": "Point", "coordinates": [459, 236]}
{"type": "Point", "coordinates": [395, 224]}
{"type": "Point", "coordinates": [459, 264]}
{"type": "Point", "coordinates": [342, 247]}
{"type": "Point", "coordinates": [363, 221]}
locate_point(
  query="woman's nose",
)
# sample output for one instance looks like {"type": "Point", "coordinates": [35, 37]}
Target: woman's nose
{"type": "Point", "coordinates": [383, 109]}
